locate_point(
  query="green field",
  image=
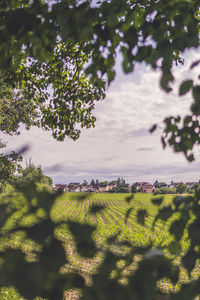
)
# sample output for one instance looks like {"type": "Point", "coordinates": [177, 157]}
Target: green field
{"type": "Point", "coordinates": [112, 220]}
{"type": "Point", "coordinates": [118, 216]}
{"type": "Point", "coordinates": [76, 206]}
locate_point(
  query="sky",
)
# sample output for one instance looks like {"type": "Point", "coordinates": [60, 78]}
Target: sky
{"type": "Point", "coordinates": [120, 145]}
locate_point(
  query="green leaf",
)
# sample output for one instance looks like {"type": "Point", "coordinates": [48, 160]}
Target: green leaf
{"type": "Point", "coordinates": [96, 208]}
{"type": "Point", "coordinates": [3, 214]}
{"type": "Point", "coordinates": [165, 213]}
{"type": "Point", "coordinates": [174, 248]}
{"type": "Point", "coordinates": [196, 96]}
{"type": "Point", "coordinates": [194, 232]}
{"type": "Point", "coordinates": [113, 238]}
{"type": "Point", "coordinates": [128, 212]}
{"type": "Point", "coordinates": [53, 256]}
{"type": "Point", "coordinates": [177, 228]}
{"type": "Point", "coordinates": [153, 128]}
{"type": "Point", "coordinates": [141, 214]}
{"type": "Point", "coordinates": [189, 260]}
{"type": "Point", "coordinates": [83, 237]}
{"type": "Point", "coordinates": [185, 87]}
{"type": "Point", "coordinates": [83, 197]}
{"type": "Point", "coordinates": [129, 198]}
{"type": "Point", "coordinates": [40, 232]}
{"type": "Point", "coordinates": [195, 63]}
{"type": "Point", "coordinates": [157, 201]}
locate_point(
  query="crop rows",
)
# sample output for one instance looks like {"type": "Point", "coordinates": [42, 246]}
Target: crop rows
{"type": "Point", "coordinates": [112, 218]}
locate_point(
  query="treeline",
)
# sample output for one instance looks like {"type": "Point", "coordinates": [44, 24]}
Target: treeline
{"type": "Point", "coordinates": [24, 177]}
{"type": "Point", "coordinates": [119, 185]}
{"type": "Point", "coordinates": [178, 189]}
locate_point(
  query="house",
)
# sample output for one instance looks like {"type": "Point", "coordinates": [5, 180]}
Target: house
{"type": "Point", "coordinates": [147, 188]}
{"type": "Point", "coordinates": [190, 184]}
{"type": "Point", "coordinates": [73, 188]}
{"type": "Point", "coordinates": [129, 187]}
{"type": "Point", "coordinates": [112, 186]}
{"type": "Point", "coordinates": [90, 188]}
{"type": "Point", "coordinates": [60, 187]}
{"type": "Point", "coordinates": [83, 189]}
{"type": "Point", "coordinates": [173, 184]}
{"type": "Point", "coordinates": [144, 187]}
{"type": "Point", "coordinates": [103, 189]}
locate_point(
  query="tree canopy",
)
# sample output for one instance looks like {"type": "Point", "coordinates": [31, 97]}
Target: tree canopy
{"type": "Point", "coordinates": [31, 173]}
{"type": "Point", "coordinates": [10, 164]}
{"type": "Point", "coordinates": [51, 34]}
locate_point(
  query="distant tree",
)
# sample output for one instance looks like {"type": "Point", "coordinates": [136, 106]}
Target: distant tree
{"type": "Point", "coordinates": [103, 183]}
{"type": "Point", "coordinates": [120, 189]}
{"type": "Point", "coordinates": [196, 186]}
{"type": "Point", "coordinates": [118, 181]}
{"type": "Point", "coordinates": [156, 182]}
{"type": "Point", "coordinates": [191, 190]}
{"type": "Point", "coordinates": [31, 173]}
{"type": "Point", "coordinates": [159, 184]}
{"type": "Point", "coordinates": [84, 183]}
{"type": "Point", "coordinates": [113, 190]}
{"type": "Point", "coordinates": [164, 190]}
{"type": "Point", "coordinates": [123, 189]}
{"type": "Point", "coordinates": [181, 188]}
{"type": "Point", "coordinates": [134, 187]}
{"type": "Point", "coordinates": [121, 182]}
{"type": "Point", "coordinates": [113, 182]}
{"type": "Point", "coordinates": [92, 183]}
{"type": "Point", "coordinates": [97, 183]}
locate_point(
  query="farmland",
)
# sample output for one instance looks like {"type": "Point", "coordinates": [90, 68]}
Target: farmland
{"type": "Point", "coordinates": [127, 220]}
{"type": "Point", "coordinates": [111, 219]}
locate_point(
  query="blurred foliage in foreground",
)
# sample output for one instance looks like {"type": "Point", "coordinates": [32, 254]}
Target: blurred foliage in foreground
{"type": "Point", "coordinates": [33, 249]}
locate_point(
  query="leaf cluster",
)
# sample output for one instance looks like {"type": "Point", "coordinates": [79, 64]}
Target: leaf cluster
{"type": "Point", "coordinates": [33, 265]}
{"type": "Point", "coordinates": [59, 37]}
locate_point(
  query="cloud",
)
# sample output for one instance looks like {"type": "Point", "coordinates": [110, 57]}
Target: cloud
{"type": "Point", "coordinates": [133, 173]}
{"type": "Point", "coordinates": [145, 148]}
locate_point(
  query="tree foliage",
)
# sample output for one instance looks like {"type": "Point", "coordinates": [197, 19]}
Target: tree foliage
{"type": "Point", "coordinates": [54, 94]}
{"type": "Point", "coordinates": [165, 190]}
{"type": "Point", "coordinates": [181, 188]}
{"type": "Point", "coordinates": [31, 174]}
{"type": "Point", "coordinates": [142, 31]}
{"type": "Point", "coordinates": [160, 184]}
{"type": "Point", "coordinates": [33, 268]}
{"type": "Point", "coordinates": [9, 165]}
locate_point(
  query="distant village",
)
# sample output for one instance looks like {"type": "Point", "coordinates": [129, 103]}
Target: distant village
{"type": "Point", "coordinates": [120, 186]}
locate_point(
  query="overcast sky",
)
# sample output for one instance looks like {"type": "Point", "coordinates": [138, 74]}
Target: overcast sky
{"type": "Point", "coordinates": [120, 144]}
